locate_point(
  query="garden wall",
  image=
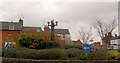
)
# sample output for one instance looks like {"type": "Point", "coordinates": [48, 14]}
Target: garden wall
{"type": "Point", "coordinates": [15, 60]}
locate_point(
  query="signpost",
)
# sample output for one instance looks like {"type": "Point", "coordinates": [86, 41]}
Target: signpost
{"type": "Point", "coordinates": [7, 47]}
{"type": "Point", "coordinates": [86, 48]}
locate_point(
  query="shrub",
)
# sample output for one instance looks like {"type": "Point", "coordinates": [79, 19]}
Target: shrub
{"type": "Point", "coordinates": [113, 54]}
{"type": "Point", "coordinates": [10, 53]}
{"type": "Point", "coordinates": [36, 54]}
{"type": "Point", "coordinates": [25, 41]}
{"type": "Point", "coordinates": [74, 53]}
{"type": "Point", "coordinates": [72, 46]}
{"type": "Point", "coordinates": [118, 57]}
{"type": "Point", "coordinates": [52, 54]}
{"type": "Point", "coordinates": [118, 50]}
{"type": "Point", "coordinates": [47, 45]}
{"type": "Point", "coordinates": [100, 54]}
{"type": "Point", "coordinates": [52, 44]}
{"type": "Point", "coordinates": [3, 51]}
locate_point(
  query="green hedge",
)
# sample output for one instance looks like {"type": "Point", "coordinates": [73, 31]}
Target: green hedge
{"type": "Point", "coordinates": [36, 54]}
{"type": "Point", "coordinates": [48, 45]}
{"type": "Point", "coordinates": [118, 50]}
{"type": "Point", "coordinates": [60, 54]}
{"type": "Point", "coordinates": [72, 46]}
{"type": "Point", "coordinates": [74, 53]}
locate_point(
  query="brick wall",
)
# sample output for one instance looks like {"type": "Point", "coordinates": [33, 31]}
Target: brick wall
{"type": "Point", "coordinates": [7, 36]}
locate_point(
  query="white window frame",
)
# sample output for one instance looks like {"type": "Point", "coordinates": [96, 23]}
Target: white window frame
{"type": "Point", "coordinates": [11, 27]}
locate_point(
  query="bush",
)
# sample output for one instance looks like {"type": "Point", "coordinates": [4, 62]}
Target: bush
{"type": "Point", "coordinates": [10, 54]}
{"type": "Point", "coordinates": [52, 44]}
{"type": "Point", "coordinates": [72, 46]}
{"type": "Point", "coordinates": [47, 45]}
{"type": "Point", "coordinates": [52, 54]}
{"type": "Point", "coordinates": [29, 42]}
{"type": "Point", "coordinates": [74, 53]}
{"type": "Point", "coordinates": [36, 54]}
{"type": "Point", "coordinates": [99, 54]}
{"type": "Point", "coordinates": [118, 57]}
{"type": "Point", "coordinates": [25, 41]}
{"type": "Point", "coordinates": [118, 50]}
{"type": "Point", "coordinates": [113, 54]}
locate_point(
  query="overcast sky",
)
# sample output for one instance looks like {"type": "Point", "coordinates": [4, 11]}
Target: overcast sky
{"type": "Point", "coordinates": [70, 15]}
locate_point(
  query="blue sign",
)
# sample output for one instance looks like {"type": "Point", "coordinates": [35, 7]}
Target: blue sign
{"type": "Point", "coordinates": [7, 47]}
{"type": "Point", "coordinates": [86, 48]}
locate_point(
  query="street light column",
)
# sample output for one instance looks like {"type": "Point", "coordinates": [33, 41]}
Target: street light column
{"type": "Point", "coordinates": [52, 29]}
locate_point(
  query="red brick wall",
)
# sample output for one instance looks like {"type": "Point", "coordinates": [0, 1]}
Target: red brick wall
{"type": "Point", "coordinates": [79, 43]}
{"type": "Point", "coordinates": [7, 34]}
{"type": "Point", "coordinates": [104, 45]}
{"type": "Point", "coordinates": [97, 46]}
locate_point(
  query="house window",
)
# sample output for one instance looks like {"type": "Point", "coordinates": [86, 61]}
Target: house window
{"type": "Point", "coordinates": [115, 47]}
{"type": "Point", "coordinates": [63, 35]}
{"type": "Point", "coordinates": [11, 27]}
{"type": "Point", "coordinates": [38, 31]}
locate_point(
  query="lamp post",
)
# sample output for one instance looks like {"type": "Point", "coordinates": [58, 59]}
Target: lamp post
{"type": "Point", "coordinates": [53, 24]}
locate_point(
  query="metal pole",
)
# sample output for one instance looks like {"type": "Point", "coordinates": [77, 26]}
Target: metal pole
{"type": "Point", "coordinates": [52, 29]}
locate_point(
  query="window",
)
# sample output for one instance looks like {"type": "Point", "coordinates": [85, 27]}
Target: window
{"type": "Point", "coordinates": [11, 27]}
{"type": "Point", "coordinates": [115, 47]}
{"type": "Point", "coordinates": [38, 31]}
{"type": "Point", "coordinates": [63, 35]}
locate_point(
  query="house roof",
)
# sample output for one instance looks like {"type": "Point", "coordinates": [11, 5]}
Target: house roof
{"type": "Point", "coordinates": [95, 43]}
{"type": "Point", "coordinates": [61, 31]}
{"type": "Point", "coordinates": [5, 25]}
{"type": "Point", "coordinates": [33, 28]}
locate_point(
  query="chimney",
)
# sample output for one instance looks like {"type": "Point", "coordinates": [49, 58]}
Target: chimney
{"type": "Point", "coordinates": [21, 23]}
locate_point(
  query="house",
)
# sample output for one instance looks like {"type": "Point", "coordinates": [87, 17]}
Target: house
{"type": "Point", "coordinates": [115, 43]}
{"type": "Point", "coordinates": [111, 42]}
{"type": "Point", "coordinates": [79, 43]}
{"type": "Point", "coordinates": [74, 42]}
{"type": "Point", "coordinates": [63, 34]}
{"type": "Point", "coordinates": [37, 29]}
{"type": "Point", "coordinates": [95, 45]}
{"type": "Point", "coordinates": [13, 29]}
{"type": "Point", "coordinates": [9, 29]}
{"type": "Point", "coordinates": [106, 40]}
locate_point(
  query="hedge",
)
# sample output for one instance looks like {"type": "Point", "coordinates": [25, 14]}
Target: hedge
{"type": "Point", "coordinates": [58, 54]}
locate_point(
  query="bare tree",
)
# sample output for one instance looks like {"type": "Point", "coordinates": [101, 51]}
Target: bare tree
{"type": "Point", "coordinates": [84, 35]}
{"type": "Point", "coordinates": [104, 28]}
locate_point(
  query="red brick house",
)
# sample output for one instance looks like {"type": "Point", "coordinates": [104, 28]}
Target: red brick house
{"type": "Point", "coordinates": [95, 45]}
{"type": "Point", "coordinates": [13, 29]}
{"type": "Point", "coordinates": [61, 35]}
{"type": "Point", "coordinates": [79, 43]}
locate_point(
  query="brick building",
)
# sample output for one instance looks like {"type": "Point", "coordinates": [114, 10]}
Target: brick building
{"type": "Point", "coordinates": [62, 35]}
{"type": "Point", "coordinates": [13, 29]}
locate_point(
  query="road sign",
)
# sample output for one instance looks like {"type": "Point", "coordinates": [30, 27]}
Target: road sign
{"type": "Point", "coordinates": [86, 48]}
{"type": "Point", "coordinates": [7, 47]}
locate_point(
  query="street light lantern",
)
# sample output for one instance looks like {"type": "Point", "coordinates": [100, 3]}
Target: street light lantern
{"type": "Point", "coordinates": [48, 23]}
{"type": "Point", "coordinates": [53, 24]}
{"type": "Point", "coordinates": [52, 20]}
{"type": "Point", "coordinates": [56, 22]}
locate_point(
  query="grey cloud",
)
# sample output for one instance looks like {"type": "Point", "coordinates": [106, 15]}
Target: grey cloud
{"type": "Point", "coordinates": [70, 15]}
